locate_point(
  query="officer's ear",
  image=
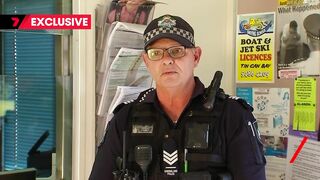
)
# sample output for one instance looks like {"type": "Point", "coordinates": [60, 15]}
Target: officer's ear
{"type": "Point", "coordinates": [197, 55]}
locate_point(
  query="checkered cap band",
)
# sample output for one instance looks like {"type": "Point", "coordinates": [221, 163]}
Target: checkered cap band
{"type": "Point", "coordinates": [163, 30]}
{"type": "Point", "coordinates": [313, 36]}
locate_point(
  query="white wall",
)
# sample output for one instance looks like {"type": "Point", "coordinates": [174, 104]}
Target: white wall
{"type": "Point", "coordinates": [83, 56]}
{"type": "Point", "coordinates": [213, 22]}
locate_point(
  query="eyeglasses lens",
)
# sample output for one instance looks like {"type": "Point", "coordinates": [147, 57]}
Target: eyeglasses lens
{"type": "Point", "coordinates": [174, 52]}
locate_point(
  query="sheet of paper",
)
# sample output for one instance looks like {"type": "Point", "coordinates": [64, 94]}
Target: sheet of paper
{"type": "Point", "coordinates": [307, 164]}
{"type": "Point", "coordinates": [304, 118]}
{"type": "Point", "coordinates": [126, 69]}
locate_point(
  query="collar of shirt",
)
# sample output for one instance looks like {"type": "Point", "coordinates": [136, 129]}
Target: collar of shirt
{"type": "Point", "coordinates": [151, 97]}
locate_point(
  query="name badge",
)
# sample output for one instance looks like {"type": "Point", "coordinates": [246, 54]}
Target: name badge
{"type": "Point", "coordinates": [142, 128]}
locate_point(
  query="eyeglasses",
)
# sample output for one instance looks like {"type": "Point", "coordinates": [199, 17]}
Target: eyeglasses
{"type": "Point", "coordinates": [175, 52]}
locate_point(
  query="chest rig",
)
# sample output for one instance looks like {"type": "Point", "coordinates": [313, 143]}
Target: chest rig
{"type": "Point", "coordinates": [198, 137]}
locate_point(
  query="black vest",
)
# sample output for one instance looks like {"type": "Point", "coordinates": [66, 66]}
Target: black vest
{"type": "Point", "coordinates": [148, 126]}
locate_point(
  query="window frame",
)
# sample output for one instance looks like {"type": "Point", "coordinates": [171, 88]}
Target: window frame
{"type": "Point", "coordinates": [64, 81]}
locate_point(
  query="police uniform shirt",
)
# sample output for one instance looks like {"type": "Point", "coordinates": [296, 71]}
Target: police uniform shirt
{"type": "Point", "coordinates": [311, 66]}
{"type": "Point", "coordinates": [239, 137]}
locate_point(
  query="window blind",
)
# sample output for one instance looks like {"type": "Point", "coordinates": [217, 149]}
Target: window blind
{"type": "Point", "coordinates": [29, 63]}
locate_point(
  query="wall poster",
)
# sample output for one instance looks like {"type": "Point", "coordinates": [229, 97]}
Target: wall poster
{"type": "Point", "coordinates": [298, 40]}
{"type": "Point", "coordinates": [271, 109]}
{"type": "Point", "coordinates": [307, 165]}
{"type": "Point", "coordinates": [255, 48]}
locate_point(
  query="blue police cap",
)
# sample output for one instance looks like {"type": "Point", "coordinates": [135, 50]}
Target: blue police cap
{"type": "Point", "coordinates": [168, 26]}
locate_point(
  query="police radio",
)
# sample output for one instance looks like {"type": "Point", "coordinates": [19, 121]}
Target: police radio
{"type": "Point", "coordinates": [124, 173]}
{"type": "Point", "coordinates": [143, 157]}
{"type": "Point", "coordinates": [212, 91]}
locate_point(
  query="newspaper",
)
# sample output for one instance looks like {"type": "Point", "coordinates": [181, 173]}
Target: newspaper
{"type": "Point", "coordinates": [126, 69]}
{"type": "Point", "coordinates": [119, 43]}
{"type": "Point", "coordinates": [119, 35]}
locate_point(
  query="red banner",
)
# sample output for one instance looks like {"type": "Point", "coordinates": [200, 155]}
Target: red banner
{"type": "Point", "coordinates": [46, 21]}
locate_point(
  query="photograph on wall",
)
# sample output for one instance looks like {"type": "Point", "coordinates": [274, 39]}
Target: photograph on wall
{"type": "Point", "coordinates": [130, 11]}
{"type": "Point", "coordinates": [271, 108]}
{"type": "Point", "coordinates": [298, 40]}
{"type": "Point", "coordinates": [255, 48]}
{"type": "Point", "coordinates": [275, 150]}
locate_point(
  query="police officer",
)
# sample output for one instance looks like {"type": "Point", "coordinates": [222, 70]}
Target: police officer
{"type": "Point", "coordinates": [311, 66]}
{"type": "Point", "coordinates": [169, 134]}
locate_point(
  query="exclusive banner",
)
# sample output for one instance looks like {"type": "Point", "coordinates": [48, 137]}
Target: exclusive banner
{"type": "Point", "coordinates": [45, 21]}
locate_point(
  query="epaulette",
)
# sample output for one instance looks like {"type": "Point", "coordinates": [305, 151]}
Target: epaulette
{"type": "Point", "coordinates": [144, 94]}
{"type": "Point", "coordinates": [140, 99]}
{"type": "Point", "coordinates": [243, 102]}
{"type": "Point", "coordinates": [121, 105]}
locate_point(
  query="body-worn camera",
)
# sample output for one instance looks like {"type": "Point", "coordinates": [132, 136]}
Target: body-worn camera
{"type": "Point", "coordinates": [197, 135]}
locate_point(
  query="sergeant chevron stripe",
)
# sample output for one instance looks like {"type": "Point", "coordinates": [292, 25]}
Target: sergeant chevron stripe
{"type": "Point", "coordinates": [170, 158]}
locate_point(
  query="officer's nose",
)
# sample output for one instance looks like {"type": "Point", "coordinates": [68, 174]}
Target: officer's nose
{"type": "Point", "coordinates": [167, 59]}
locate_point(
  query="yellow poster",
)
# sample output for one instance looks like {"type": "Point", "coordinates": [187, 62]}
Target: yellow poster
{"type": "Point", "coordinates": [304, 117]}
{"type": "Point", "coordinates": [255, 48]}
{"type": "Point", "coordinates": [292, 2]}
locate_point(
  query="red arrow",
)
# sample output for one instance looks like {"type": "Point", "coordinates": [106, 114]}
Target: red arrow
{"type": "Point", "coordinates": [298, 150]}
